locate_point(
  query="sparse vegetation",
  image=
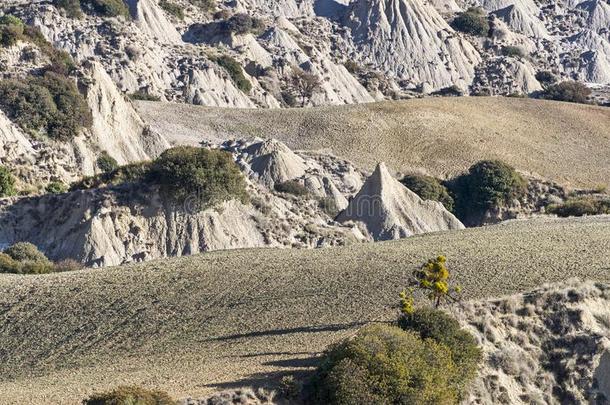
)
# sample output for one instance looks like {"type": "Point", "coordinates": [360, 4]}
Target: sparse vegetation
{"type": "Point", "coordinates": [235, 71]}
{"type": "Point", "coordinates": [130, 173]}
{"type": "Point", "coordinates": [143, 96]}
{"type": "Point", "coordinates": [72, 7]}
{"type": "Point", "coordinates": [573, 92]}
{"type": "Point", "coordinates": [199, 177]}
{"type": "Point", "coordinates": [172, 9]}
{"type": "Point", "coordinates": [302, 85]}
{"type": "Point", "coordinates": [106, 8]}
{"type": "Point", "coordinates": [11, 30]}
{"type": "Point", "coordinates": [24, 258]}
{"type": "Point", "coordinates": [473, 21]}
{"type": "Point", "coordinates": [205, 5]}
{"type": "Point", "coordinates": [546, 77]}
{"type": "Point", "coordinates": [428, 188]}
{"type": "Point", "coordinates": [130, 395]}
{"type": "Point", "coordinates": [7, 183]}
{"type": "Point", "coordinates": [291, 187]}
{"type": "Point", "coordinates": [580, 206]}
{"type": "Point", "coordinates": [242, 23]}
{"type": "Point", "coordinates": [513, 51]}
{"type": "Point", "coordinates": [488, 184]}
{"type": "Point", "coordinates": [49, 105]}
{"type": "Point", "coordinates": [107, 163]}
{"type": "Point", "coordinates": [56, 187]}
{"type": "Point", "coordinates": [385, 365]}
{"type": "Point", "coordinates": [432, 278]}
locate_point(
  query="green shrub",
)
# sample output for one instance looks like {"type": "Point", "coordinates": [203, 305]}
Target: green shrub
{"type": "Point", "coordinates": [546, 77]}
{"type": "Point", "coordinates": [570, 91]}
{"type": "Point", "coordinates": [141, 95]}
{"type": "Point", "coordinates": [67, 265]}
{"type": "Point", "coordinates": [131, 173]}
{"type": "Point", "coordinates": [198, 176]}
{"type": "Point", "coordinates": [205, 5]}
{"type": "Point", "coordinates": [172, 9]}
{"type": "Point", "coordinates": [488, 184]}
{"type": "Point", "coordinates": [473, 21]}
{"type": "Point", "coordinates": [434, 324]}
{"type": "Point", "coordinates": [7, 183]}
{"type": "Point", "coordinates": [11, 30]}
{"type": "Point", "coordinates": [513, 51]}
{"type": "Point", "coordinates": [242, 23]}
{"type": "Point", "coordinates": [291, 187]}
{"type": "Point", "coordinates": [580, 206]}
{"type": "Point", "coordinates": [385, 365]}
{"type": "Point", "coordinates": [107, 163]}
{"type": "Point", "coordinates": [106, 8]}
{"type": "Point", "coordinates": [235, 71]}
{"type": "Point", "coordinates": [130, 395]}
{"type": "Point", "coordinates": [72, 7]}
{"type": "Point", "coordinates": [24, 258]}
{"type": "Point", "coordinates": [50, 104]}
{"type": "Point", "coordinates": [56, 187]}
{"type": "Point", "coordinates": [428, 188]}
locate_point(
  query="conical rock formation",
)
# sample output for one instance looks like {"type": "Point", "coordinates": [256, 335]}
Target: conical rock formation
{"type": "Point", "coordinates": [389, 210]}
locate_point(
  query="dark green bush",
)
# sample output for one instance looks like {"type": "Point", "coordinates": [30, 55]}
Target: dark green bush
{"type": "Point", "coordinates": [106, 8]}
{"type": "Point", "coordinates": [198, 176]}
{"type": "Point", "coordinates": [570, 91]}
{"type": "Point", "coordinates": [50, 104]}
{"type": "Point", "coordinates": [72, 7]}
{"type": "Point", "coordinates": [24, 258]}
{"type": "Point", "coordinates": [7, 183]}
{"type": "Point", "coordinates": [434, 324]}
{"type": "Point", "coordinates": [385, 365]}
{"type": "Point", "coordinates": [56, 187]}
{"type": "Point", "coordinates": [242, 23]}
{"type": "Point", "coordinates": [107, 163]}
{"type": "Point", "coordinates": [11, 30]}
{"type": "Point", "coordinates": [291, 187]}
{"type": "Point", "coordinates": [131, 173]}
{"type": "Point", "coordinates": [130, 395]}
{"type": "Point", "coordinates": [488, 184]}
{"type": "Point", "coordinates": [205, 5]}
{"type": "Point", "coordinates": [428, 188]}
{"type": "Point", "coordinates": [141, 95]}
{"type": "Point", "coordinates": [473, 21]}
{"type": "Point", "coordinates": [513, 51]}
{"type": "Point", "coordinates": [545, 77]}
{"type": "Point", "coordinates": [579, 206]}
{"type": "Point", "coordinates": [235, 71]}
{"type": "Point", "coordinates": [172, 8]}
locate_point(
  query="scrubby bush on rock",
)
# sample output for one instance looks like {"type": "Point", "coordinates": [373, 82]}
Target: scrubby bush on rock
{"type": "Point", "coordinates": [130, 395]}
{"type": "Point", "coordinates": [7, 182]}
{"type": "Point", "coordinates": [172, 8]}
{"type": "Point", "coordinates": [106, 163]}
{"type": "Point", "coordinates": [24, 258]}
{"type": "Point", "coordinates": [428, 188]}
{"type": "Point", "coordinates": [199, 177]}
{"type": "Point", "coordinates": [580, 206]}
{"type": "Point", "coordinates": [11, 30]}
{"type": "Point", "coordinates": [291, 187]}
{"type": "Point", "coordinates": [473, 21]}
{"type": "Point", "coordinates": [385, 365]}
{"type": "Point", "coordinates": [106, 8]}
{"type": "Point", "coordinates": [72, 7]}
{"type": "Point", "coordinates": [205, 5]}
{"type": "Point", "coordinates": [513, 51]}
{"type": "Point", "coordinates": [437, 325]}
{"type": "Point", "coordinates": [131, 173]}
{"type": "Point", "coordinates": [488, 184]}
{"type": "Point", "coordinates": [50, 104]}
{"type": "Point", "coordinates": [235, 71]}
{"type": "Point", "coordinates": [574, 92]}
{"type": "Point", "coordinates": [242, 23]}
{"type": "Point", "coordinates": [56, 187]}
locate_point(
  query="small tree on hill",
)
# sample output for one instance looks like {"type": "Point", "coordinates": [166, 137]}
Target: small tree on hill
{"type": "Point", "coordinates": [303, 84]}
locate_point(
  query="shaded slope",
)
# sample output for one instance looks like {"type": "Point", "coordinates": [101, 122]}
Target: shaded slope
{"type": "Point", "coordinates": [241, 317]}
{"type": "Point", "coordinates": [568, 143]}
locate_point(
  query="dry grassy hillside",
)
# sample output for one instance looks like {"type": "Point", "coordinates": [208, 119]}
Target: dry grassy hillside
{"type": "Point", "coordinates": [569, 143]}
{"type": "Point", "coordinates": [229, 318]}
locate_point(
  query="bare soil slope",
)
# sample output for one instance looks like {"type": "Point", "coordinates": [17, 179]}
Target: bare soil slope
{"type": "Point", "coordinates": [233, 318]}
{"type": "Point", "coordinates": [565, 142]}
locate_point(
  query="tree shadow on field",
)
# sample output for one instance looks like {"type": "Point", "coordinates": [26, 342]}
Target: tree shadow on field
{"type": "Point", "coordinates": [279, 332]}
{"type": "Point", "coordinates": [269, 380]}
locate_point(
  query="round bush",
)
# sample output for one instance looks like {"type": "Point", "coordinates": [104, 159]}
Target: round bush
{"type": "Point", "coordinates": [474, 22]}
{"type": "Point", "coordinates": [106, 163]}
{"type": "Point", "coordinates": [7, 183]}
{"type": "Point", "coordinates": [8, 264]}
{"type": "Point", "coordinates": [488, 184]}
{"type": "Point", "coordinates": [385, 365]}
{"type": "Point", "coordinates": [570, 91]}
{"type": "Point", "coordinates": [56, 187]}
{"type": "Point", "coordinates": [130, 395]}
{"type": "Point", "coordinates": [199, 177]}
{"type": "Point", "coordinates": [25, 258]}
{"type": "Point", "coordinates": [428, 188]}
{"type": "Point", "coordinates": [434, 324]}
{"type": "Point", "coordinates": [22, 251]}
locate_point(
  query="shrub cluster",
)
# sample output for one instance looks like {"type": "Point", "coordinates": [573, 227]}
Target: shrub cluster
{"type": "Point", "coordinates": [11, 30]}
{"type": "Point", "coordinates": [106, 8]}
{"type": "Point", "coordinates": [50, 104]}
{"type": "Point", "coordinates": [205, 5]}
{"type": "Point", "coordinates": [513, 51]}
{"type": "Point", "coordinates": [107, 163]}
{"type": "Point", "coordinates": [235, 71]}
{"type": "Point", "coordinates": [473, 21]}
{"type": "Point", "coordinates": [143, 96]}
{"type": "Point", "coordinates": [291, 187]}
{"type": "Point", "coordinates": [25, 258]}
{"type": "Point", "coordinates": [242, 23]}
{"type": "Point", "coordinates": [580, 206]}
{"type": "Point", "coordinates": [130, 395]}
{"type": "Point", "coordinates": [172, 9]}
{"type": "Point", "coordinates": [428, 188]}
{"type": "Point", "coordinates": [7, 182]}
{"type": "Point", "coordinates": [488, 184]}
{"type": "Point", "coordinates": [56, 187]}
{"type": "Point", "coordinates": [72, 7]}
{"type": "Point", "coordinates": [131, 173]}
{"type": "Point", "coordinates": [384, 364]}
{"type": "Point", "coordinates": [571, 91]}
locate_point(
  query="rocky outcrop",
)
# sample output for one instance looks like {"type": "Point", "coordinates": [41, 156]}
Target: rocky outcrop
{"type": "Point", "coordinates": [389, 210]}
{"type": "Point", "coordinates": [410, 40]}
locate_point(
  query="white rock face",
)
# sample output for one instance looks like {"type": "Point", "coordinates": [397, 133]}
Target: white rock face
{"type": "Point", "coordinates": [389, 210]}
{"type": "Point", "coordinates": [152, 21]}
{"type": "Point", "coordinates": [410, 40]}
